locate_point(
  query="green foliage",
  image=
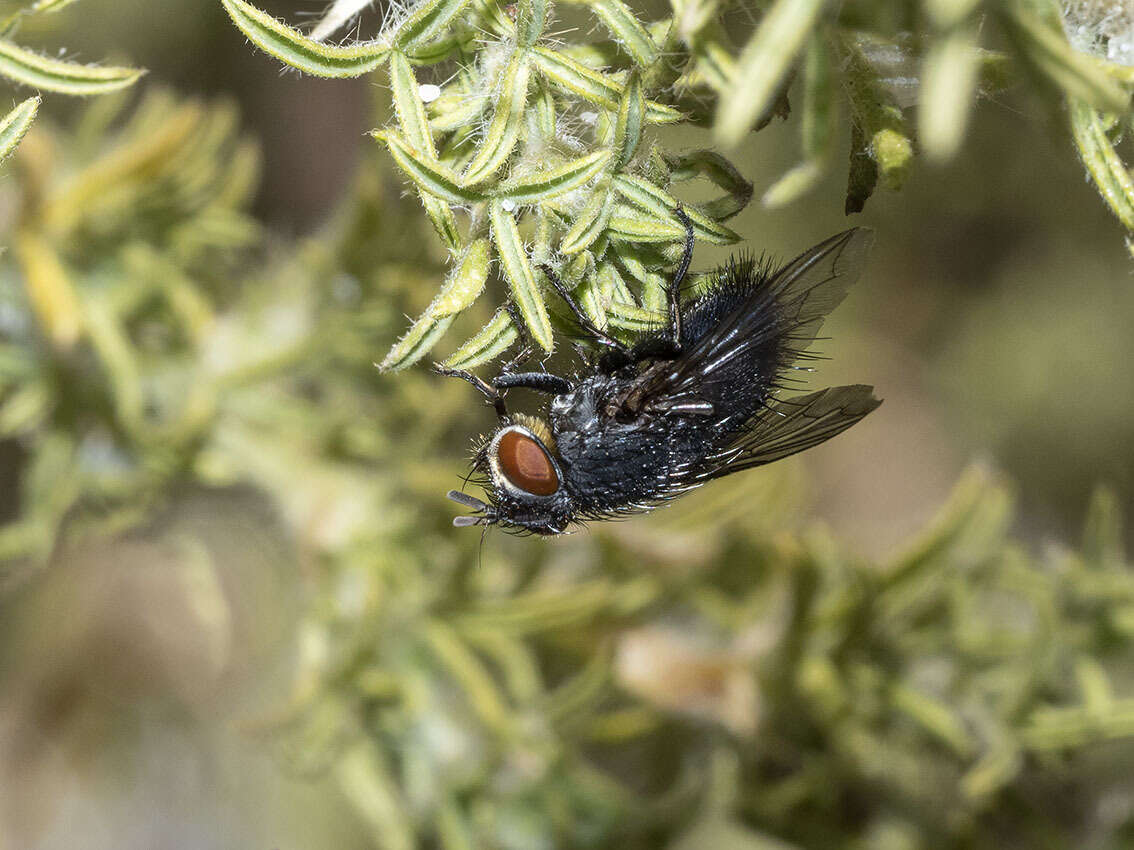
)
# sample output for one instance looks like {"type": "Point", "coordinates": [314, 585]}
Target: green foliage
{"type": "Point", "coordinates": [119, 263]}
{"type": "Point", "coordinates": [28, 68]}
{"type": "Point", "coordinates": [498, 144]}
{"type": "Point", "coordinates": [776, 691]}
{"type": "Point", "coordinates": [712, 681]}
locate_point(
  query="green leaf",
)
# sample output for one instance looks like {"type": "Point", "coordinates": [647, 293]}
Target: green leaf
{"type": "Point", "coordinates": [628, 129]}
{"type": "Point", "coordinates": [490, 342]}
{"type": "Point", "coordinates": [293, 48]}
{"type": "Point", "coordinates": [948, 88]}
{"type": "Point", "coordinates": [569, 75]}
{"type": "Point", "coordinates": [410, 112]}
{"type": "Point", "coordinates": [798, 181]}
{"type": "Point", "coordinates": [819, 108]}
{"type": "Point", "coordinates": [661, 205]}
{"type": "Point", "coordinates": [715, 64]}
{"type": "Point", "coordinates": [862, 173]}
{"type": "Point", "coordinates": [427, 19]}
{"type": "Point", "coordinates": [531, 16]}
{"type": "Point", "coordinates": [32, 69]}
{"type": "Point", "coordinates": [633, 225]}
{"type": "Point", "coordinates": [1107, 170]}
{"type": "Point", "coordinates": [718, 171]}
{"type": "Point", "coordinates": [48, 6]}
{"type": "Point", "coordinates": [541, 185]}
{"type": "Point", "coordinates": [431, 176]}
{"type": "Point", "coordinates": [521, 278]}
{"type": "Point", "coordinates": [590, 224]}
{"type": "Point", "coordinates": [25, 408]}
{"type": "Point", "coordinates": [633, 318]}
{"type": "Point", "coordinates": [16, 124]}
{"type": "Point", "coordinates": [764, 65]}
{"type": "Point", "coordinates": [817, 128]}
{"type": "Point", "coordinates": [1102, 535]}
{"type": "Point", "coordinates": [461, 289]}
{"type": "Point", "coordinates": [1072, 72]}
{"type": "Point", "coordinates": [946, 14]}
{"type": "Point", "coordinates": [504, 130]}
{"type": "Point", "coordinates": [439, 50]}
{"type": "Point", "coordinates": [877, 117]}
{"type": "Point", "coordinates": [408, 107]}
{"type": "Point", "coordinates": [541, 110]}
{"type": "Point", "coordinates": [591, 300]}
{"type": "Point", "coordinates": [630, 34]}
{"type": "Point", "coordinates": [459, 106]}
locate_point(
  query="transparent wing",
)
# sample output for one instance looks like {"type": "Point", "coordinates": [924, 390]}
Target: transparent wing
{"type": "Point", "coordinates": [792, 304]}
{"type": "Point", "coordinates": [792, 425]}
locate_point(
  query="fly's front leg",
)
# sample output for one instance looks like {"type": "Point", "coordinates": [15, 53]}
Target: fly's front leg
{"type": "Point", "coordinates": [543, 382]}
{"type": "Point", "coordinates": [491, 393]}
{"type": "Point", "coordinates": [678, 279]}
{"type": "Point", "coordinates": [589, 327]}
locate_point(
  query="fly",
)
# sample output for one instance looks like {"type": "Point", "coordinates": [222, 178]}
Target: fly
{"type": "Point", "coordinates": [691, 402]}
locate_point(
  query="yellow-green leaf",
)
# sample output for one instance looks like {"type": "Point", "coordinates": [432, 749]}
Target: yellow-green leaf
{"type": "Point", "coordinates": [408, 106]}
{"type": "Point", "coordinates": [16, 124]}
{"type": "Point", "coordinates": [462, 288]}
{"type": "Point", "coordinates": [1110, 175]}
{"type": "Point", "coordinates": [554, 181]}
{"type": "Point", "coordinates": [293, 48]}
{"type": "Point", "coordinates": [50, 291]}
{"type": "Point", "coordinates": [763, 66]}
{"type": "Point", "coordinates": [948, 86]}
{"type": "Point", "coordinates": [426, 20]}
{"type": "Point", "coordinates": [661, 205]}
{"type": "Point", "coordinates": [531, 16]}
{"type": "Point", "coordinates": [521, 278]}
{"type": "Point", "coordinates": [49, 6]}
{"type": "Point", "coordinates": [633, 318]}
{"type": "Point", "coordinates": [1076, 73]}
{"type": "Point", "coordinates": [489, 342]}
{"type": "Point", "coordinates": [590, 224]}
{"type": "Point", "coordinates": [628, 128]}
{"type": "Point", "coordinates": [631, 35]}
{"type": "Point", "coordinates": [504, 129]}
{"type": "Point", "coordinates": [41, 72]}
{"type": "Point", "coordinates": [634, 225]}
{"type": "Point", "coordinates": [431, 176]}
{"type": "Point", "coordinates": [571, 76]}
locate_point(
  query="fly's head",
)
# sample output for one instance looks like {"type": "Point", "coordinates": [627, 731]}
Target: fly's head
{"type": "Point", "coordinates": [523, 478]}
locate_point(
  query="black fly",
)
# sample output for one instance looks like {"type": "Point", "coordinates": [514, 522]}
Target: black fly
{"type": "Point", "coordinates": [691, 402]}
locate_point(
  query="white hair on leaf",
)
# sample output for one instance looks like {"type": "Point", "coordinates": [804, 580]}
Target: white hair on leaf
{"type": "Point", "coordinates": [338, 14]}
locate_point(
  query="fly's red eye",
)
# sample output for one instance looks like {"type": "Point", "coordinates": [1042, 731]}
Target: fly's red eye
{"type": "Point", "coordinates": [524, 463]}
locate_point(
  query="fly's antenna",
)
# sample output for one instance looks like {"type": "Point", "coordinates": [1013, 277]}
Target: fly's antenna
{"type": "Point", "coordinates": [486, 514]}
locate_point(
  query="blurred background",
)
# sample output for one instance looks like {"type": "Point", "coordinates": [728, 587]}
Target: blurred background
{"type": "Point", "coordinates": [148, 670]}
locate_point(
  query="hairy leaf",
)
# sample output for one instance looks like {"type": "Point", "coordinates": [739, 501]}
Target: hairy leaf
{"type": "Point", "coordinates": [293, 48]}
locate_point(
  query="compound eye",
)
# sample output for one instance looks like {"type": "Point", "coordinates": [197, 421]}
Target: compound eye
{"type": "Point", "coordinates": [526, 465]}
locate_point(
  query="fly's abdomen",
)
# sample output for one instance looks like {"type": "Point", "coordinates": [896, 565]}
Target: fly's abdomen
{"type": "Point", "coordinates": [623, 467]}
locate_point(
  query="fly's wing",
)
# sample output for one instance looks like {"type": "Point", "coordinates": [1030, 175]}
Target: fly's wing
{"type": "Point", "coordinates": [792, 425]}
{"type": "Point", "coordinates": [791, 305]}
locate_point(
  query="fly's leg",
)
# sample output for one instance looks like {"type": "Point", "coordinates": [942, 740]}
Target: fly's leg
{"type": "Point", "coordinates": [589, 327]}
{"type": "Point", "coordinates": [526, 346]}
{"type": "Point", "coordinates": [670, 347]}
{"type": "Point", "coordinates": [678, 279]}
{"type": "Point", "coordinates": [543, 382]}
{"type": "Point", "coordinates": [491, 393]}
